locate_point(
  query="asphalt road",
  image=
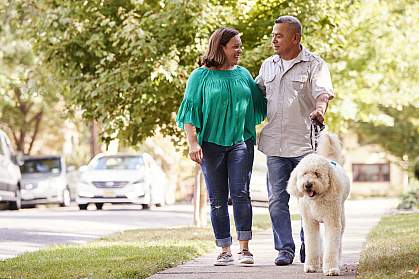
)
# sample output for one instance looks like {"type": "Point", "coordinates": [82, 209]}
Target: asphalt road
{"type": "Point", "coordinates": [31, 229]}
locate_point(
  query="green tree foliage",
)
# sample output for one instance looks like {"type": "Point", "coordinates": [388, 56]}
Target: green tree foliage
{"type": "Point", "coordinates": [400, 139]}
{"type": "Point", "coordinates": [379, 66]}
{"type": "Point", "coordinates": [26, 93]}
{"type": "Point", "coordinates": [126, 62]}
{"type": "Point", "coordinates": [380, 74]}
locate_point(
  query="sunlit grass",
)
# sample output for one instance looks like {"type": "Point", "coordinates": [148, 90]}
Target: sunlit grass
{"type": "Point", "coordinates": [392, 250]}
{"type": "Point", "coordinates": [129, 254]}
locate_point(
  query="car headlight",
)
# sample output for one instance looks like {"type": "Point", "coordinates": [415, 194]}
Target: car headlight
{"type": "Point", "coordinates": [29, 186]}
{"type": "Point", "coordinates": [85, 194]}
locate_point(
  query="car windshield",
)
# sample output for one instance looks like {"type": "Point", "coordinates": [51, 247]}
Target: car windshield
{"type": "Point", "coordinates": [119, 162]}
{"type": "Point", "coordinates": [50, 165]}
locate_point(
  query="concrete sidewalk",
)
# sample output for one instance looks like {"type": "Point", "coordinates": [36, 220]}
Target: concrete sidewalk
{"type": "Point", "coordinates": [361, 217]}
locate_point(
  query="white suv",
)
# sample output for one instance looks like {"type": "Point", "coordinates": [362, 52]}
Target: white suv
{"type": "Point", "coordinates": [10, 176]}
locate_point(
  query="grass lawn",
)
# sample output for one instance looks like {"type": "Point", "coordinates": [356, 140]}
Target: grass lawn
{"type": "Point", "coordinates": [129, 254]}
{"type": "Point", "coordinates": [392, 249]}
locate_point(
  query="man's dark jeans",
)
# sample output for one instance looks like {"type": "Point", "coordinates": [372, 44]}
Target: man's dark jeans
{"type": "Point", "coordinates": [279, 170]}
{"type": "Point", "coordinates": [229, 169]}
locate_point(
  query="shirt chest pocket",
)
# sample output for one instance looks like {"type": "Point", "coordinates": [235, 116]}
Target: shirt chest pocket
{"type": "Point", "coordinates": [298, 82]}
{"type": "Point", "coordinates": [269, 84]}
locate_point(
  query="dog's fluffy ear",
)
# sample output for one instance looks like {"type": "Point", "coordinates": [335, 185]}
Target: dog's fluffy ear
{"type": "Point", "coordinates": [292, 185]}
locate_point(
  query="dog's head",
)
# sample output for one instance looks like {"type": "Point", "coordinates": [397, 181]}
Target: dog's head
{"type": "Point", "coordinates": [311, 177]}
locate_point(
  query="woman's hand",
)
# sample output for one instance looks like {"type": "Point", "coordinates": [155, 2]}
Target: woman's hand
{"type": "Point", "coordinates": [195, 152]}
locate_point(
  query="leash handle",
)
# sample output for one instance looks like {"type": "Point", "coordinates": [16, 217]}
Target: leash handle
{"type": "Point", "coordinates": [315, 129]}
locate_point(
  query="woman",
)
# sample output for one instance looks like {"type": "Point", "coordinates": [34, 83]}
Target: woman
{"type": "Point", "coordinates": [221, 107]}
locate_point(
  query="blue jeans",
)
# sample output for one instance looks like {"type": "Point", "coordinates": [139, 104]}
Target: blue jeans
{"type": "Point", "coordinates": [279, 171]}
{"type": "Point", "coordinates": [229, 169]}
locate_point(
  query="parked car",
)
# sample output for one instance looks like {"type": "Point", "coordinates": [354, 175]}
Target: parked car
{"type": "Point", "coordinates": [122, 178]}
{"type": "Point", "coordinates": [44, 181]}
{"type": "Point", "coordinates": [10, 177]}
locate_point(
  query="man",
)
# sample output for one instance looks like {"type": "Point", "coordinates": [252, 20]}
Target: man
{"type": "Point", "coordinates": [298, 87]}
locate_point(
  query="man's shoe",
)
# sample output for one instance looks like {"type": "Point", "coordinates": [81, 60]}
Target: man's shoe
{"type": "Point", "coordinates": [225, 258]}
{"type": "Point", "coordinates": [302, 252]}
{"type": "Point", "coordinates": [284, 258]}
{"type": "Point", "coordinates": [246, 257]}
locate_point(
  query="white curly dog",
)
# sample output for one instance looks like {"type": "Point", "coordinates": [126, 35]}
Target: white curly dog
{"type": "Point", "coordinates": [322, 186]}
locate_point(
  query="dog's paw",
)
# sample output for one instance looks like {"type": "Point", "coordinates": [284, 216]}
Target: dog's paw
{"type": "Point", "coordinates": [333, 271]}
{"type": "Point", "coordinates": [311, 268]}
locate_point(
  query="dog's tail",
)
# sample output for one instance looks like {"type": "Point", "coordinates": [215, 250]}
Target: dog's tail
{"type": "Point", "coordinates": [330, 147]}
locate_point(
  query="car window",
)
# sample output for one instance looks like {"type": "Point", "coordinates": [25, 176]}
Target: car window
{"type": "Point", "coordinates": [41, 166]}
{"type": "Point", "coordinates": [119, 162]}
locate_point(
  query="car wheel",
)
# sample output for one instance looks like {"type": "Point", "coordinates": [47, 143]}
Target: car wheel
{"type": "Point", "coordinates": [66, 200]}
{"type": "Point", "coordinates": [160, 204]}
{"type": "Point", "coordinates": [99, 205]}
{"type": "Point", "coordinates": [145, 206]}
{"type": "Point", "coordinates": [17, 204]}
{"type": "Point", "coordinates": [83, 206]}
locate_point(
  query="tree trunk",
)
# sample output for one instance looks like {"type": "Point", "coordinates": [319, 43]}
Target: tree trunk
{"type": "Point", "coordinates": [37, 118]}
{"type": "Point", "coordinates": [94, 144]}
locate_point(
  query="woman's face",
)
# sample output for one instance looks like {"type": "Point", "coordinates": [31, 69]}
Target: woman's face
{"type": "Point", "coordinates": [233, 50]}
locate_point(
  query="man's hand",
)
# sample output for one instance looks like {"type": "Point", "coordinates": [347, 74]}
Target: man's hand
{"type": "Point", "coordinates": [317, 116]}
{"type": "Point", "coordinates": [195, 152]}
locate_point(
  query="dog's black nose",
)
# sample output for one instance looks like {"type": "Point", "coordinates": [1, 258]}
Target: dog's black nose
{"type": "Point", "coordinates": [308, 185]}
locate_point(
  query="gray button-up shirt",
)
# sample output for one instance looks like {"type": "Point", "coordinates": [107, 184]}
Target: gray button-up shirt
{"type": "Point", "coordinates": [291, 98]}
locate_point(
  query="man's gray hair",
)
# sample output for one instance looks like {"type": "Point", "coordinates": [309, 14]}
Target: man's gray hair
{"type": "Point", "coordinates": [293, 21]}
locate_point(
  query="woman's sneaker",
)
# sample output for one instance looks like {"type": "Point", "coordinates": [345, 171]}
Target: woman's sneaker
{"type": "Point", "coordinates": [246, 257]}
{"type": "Point", "coordinates": [225, 258]}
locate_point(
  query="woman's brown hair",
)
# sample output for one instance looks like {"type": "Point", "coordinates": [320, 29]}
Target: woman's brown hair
{"type": "Point", "coordinates": [214, 55]}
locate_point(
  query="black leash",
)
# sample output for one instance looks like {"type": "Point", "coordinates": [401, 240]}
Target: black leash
{"type": "Point", "coordinates": [315, 129]}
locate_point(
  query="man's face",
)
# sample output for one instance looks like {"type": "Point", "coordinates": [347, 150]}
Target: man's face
{"type": "Point", "coordinates": [284, 38]}
{"type": "Point", "coordinates": [233, 50]}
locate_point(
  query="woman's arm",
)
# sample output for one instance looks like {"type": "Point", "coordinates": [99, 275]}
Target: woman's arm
{"type": "Point", "coordinates": [195, 150]}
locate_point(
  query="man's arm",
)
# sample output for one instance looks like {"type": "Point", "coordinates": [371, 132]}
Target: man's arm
{"type": "Point", "coordinates": [322, 91]}
{"type": "Point", "coordinates": [260, 81]}
{"type": "Point", "coordinates": [321, 106]}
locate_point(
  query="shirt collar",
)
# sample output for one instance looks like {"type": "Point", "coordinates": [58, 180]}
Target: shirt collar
{"type": "Point", "coordinates": [302, 56]}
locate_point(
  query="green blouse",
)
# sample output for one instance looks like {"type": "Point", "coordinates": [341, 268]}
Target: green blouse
{"type": "Point", "coordinates": [223, 105]}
